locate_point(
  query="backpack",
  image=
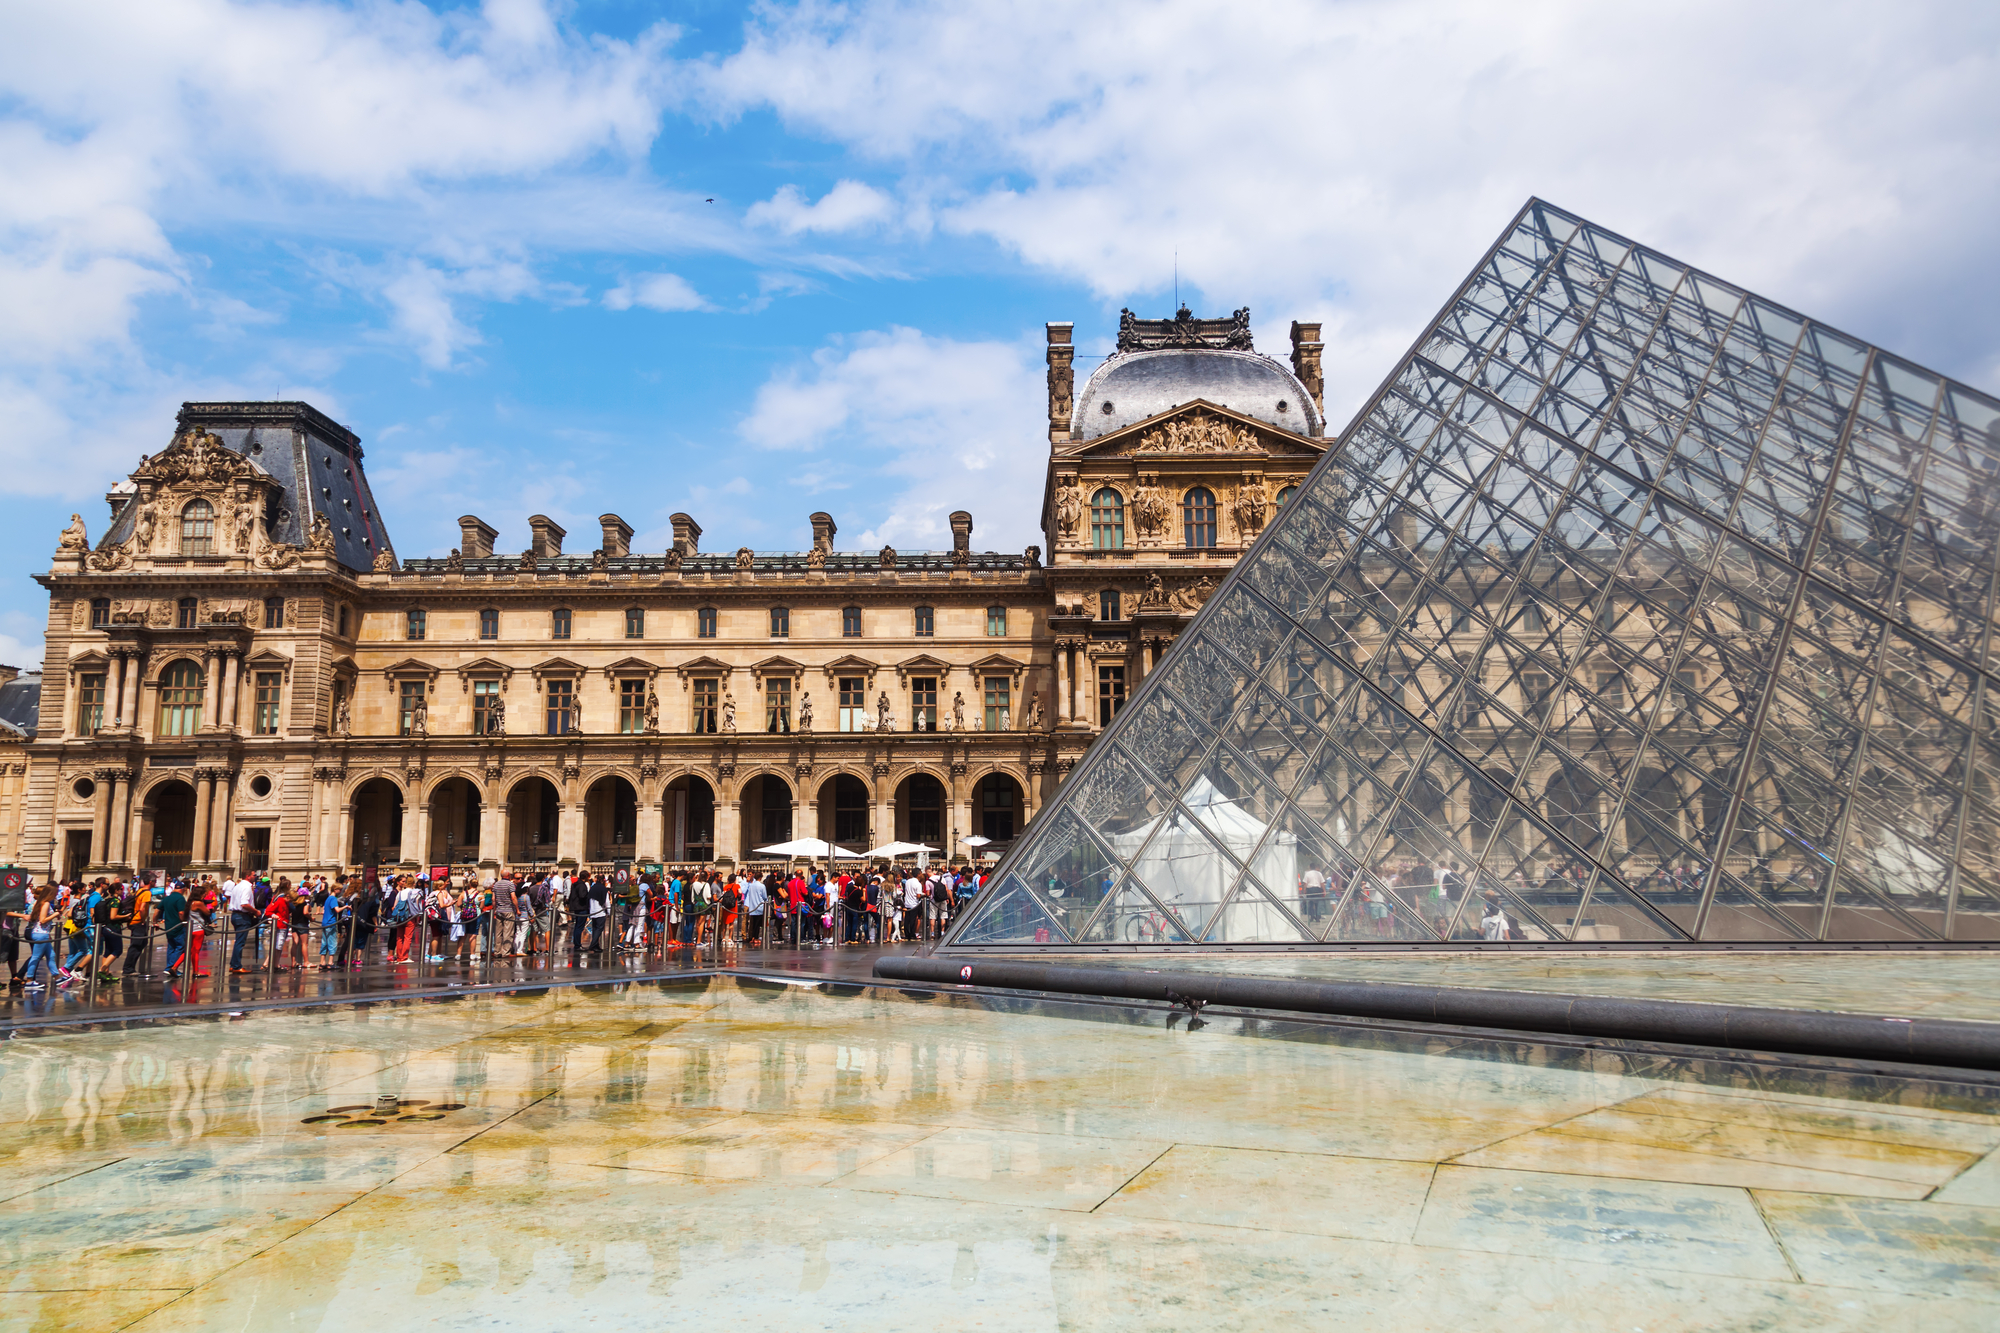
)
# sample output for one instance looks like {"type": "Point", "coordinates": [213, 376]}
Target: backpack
{"type": "Point", "coordinates": [732, 898]}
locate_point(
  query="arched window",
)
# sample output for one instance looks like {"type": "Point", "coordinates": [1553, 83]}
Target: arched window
{"type": "Point", "coordinates": [1107, 520]}
{"type": "Point", "coordinates": [198, 528]}
{"type": "Point", "coordinates": [1287, 494]}
{"type": "Point", "coordinates": [180, 700]}
{"type": "Point", "coordinates": [1198, 517]}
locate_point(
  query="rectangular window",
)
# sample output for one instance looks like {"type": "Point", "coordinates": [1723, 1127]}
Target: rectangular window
{"type": "Point", "coordinates": [1107, 604]}
{"type": "Point", "coordinates": [781, 622]}
{"type": "Point", "coordinates": [90, 705]}
{"type": "Point", "coordinates": [1535, 694]}
{"type": "Point", "coordinates": [489, 623]}
{"type": "Point", "coordinates": [705, 694]}
{"type": "Point", "coordinates": [561, 706]}
{"type": "Point", "coordinates": [1690, 688]}
{"type": "Point", "coordinates": [264, 719]}
{"type": "Point", "coordinates": [631, 707]}
{"type": "Point", "coordinates": [274, 613]}
{"type": "Point", "coordinates": [853, 703]}
{"type": "Point", "coordinates": [923, 703]}
{"type": "Point", "coordinates": [1607, 615]}
{"type": "Point", "coordinates": [998, 689]}
{"type": "Point", "coordinates": [704, 623]}
{"type": "Point", "coordinates": [1611, 689]}
{"type": "Point", "coordinates": [1461, 620]}
{"type": "Point", "coordinates": [635, 622]}
{"type": "Point", "coordinates": [1110, 693]}
{"type": "Point", "coordinates": [559, 623]}
{"type": "Point", "coordinates": [342, 631]}
{"type": "Point", "coordinates": [100, 612]}
{"type": "Point", "coordinates": [996, 621]}
{"type": "Point", "coordinates": [1531, 616]}
{"type": "Point", "coordinates": [413, 624]}
{"type": "Point", "coordinates": [778, 704]}
{"type": "Point", "coordinates": [409, 694]}
{"type": "Point", "coordinates": [485, 693]}
{"type": "Point", "coordinates": [926, 622]}
{"type": "Point", "coordinates": [850, 622]}
{"type": "Point", "coordinates": [185, 611]}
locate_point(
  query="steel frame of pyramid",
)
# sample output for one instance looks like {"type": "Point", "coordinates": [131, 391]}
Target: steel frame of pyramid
{"type": "Point", "coordinates": [1632, 609]}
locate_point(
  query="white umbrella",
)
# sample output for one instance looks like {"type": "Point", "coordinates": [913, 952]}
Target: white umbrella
{"type": "Point", "coordinates": [891, 850]}
{"type": "Point", "coordinates": [806, 847]}
{"type": "Point", "coordinates": [975, 841]}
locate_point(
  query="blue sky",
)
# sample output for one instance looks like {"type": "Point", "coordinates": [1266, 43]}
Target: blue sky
{"type": "Point", "coordinates": [481, 235]}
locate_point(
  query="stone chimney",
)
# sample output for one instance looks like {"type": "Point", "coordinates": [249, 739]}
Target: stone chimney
{"type": "Point", "coordinates": [617, 534]}
{"type": "Point", "coordinates": [687, 534]}
{"type": "Point", "coordinates": [548, 535]}
{"type": "Point", "coordinates": [1306, 348]}
{"type": "Point", "coordinates": [1062, 381]}
{"type": "Point", "coordinates": [961, 531]}
{"type": "Point", "coordinates": [823, 530]}
{"type": "Point", "coordinates": [475, 539]}
{"type": "Point", "coordinates": [8, 673]}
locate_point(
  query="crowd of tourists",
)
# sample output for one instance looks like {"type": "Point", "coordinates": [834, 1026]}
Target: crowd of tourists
{"type": "Point", "coordinates": [99, 931]}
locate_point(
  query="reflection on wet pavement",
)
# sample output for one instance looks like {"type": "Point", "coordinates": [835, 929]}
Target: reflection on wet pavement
{"type": "Point", "coordinates": [702, 1152]}
{"type": "Point", "coordinates": [1958, 984]}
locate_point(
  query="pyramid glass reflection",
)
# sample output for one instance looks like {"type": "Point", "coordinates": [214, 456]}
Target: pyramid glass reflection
{"type": "Point", "coordinates": [1633, 606]}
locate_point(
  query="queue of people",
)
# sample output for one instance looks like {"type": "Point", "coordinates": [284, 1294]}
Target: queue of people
{"type": "Point", "coordinates": [104, 930]}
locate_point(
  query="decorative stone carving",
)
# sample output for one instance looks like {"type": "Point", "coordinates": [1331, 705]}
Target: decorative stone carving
{"type": "Point", "coordinates": [420, 719]}
{"type": "Point", "coordinates": [197, 458]}
{"type": "Point", "coordinates": [576, 714]}
{"type": "Point", "coordinates": [496, 763]}
{"type": "Point", "coordinates": [283, 555]}
{"type": "Point", "coordinates": [745, 558]}
{"type": "Point", "coordinates": [455, 562]}
{"type": "Point", "coordinates": [1253, 504]}
{"type": "Point", "coordinates": [160, 615]}
{"type": "Point", "coordinates": [1184, 330]}
{"type": "Point", "coordinates": [882, 722]}
{"type": "Point", "coordinates": [652, 711]}
{"type": "Point", "coordinates": [496, 716]}
{"type": "Point", "coordinates": [945, 720]}
{"type": "Point", "coordinates": [110, 559]}
{"type": "Point", "coordinates": [1035, 713]}
{"type": "Point", "coordinates": [291, 613]}
{"type": "Point", "coordinates": [816, 558]}
{"type": "Point", "coordinates": [673, 561]}
{"type": "Point", "coordinates": [957, 711]}
{"type": "Point", "coordinates": [243, 528]}
{"type": "Point", "coordinates": [1150, 508]}
{"type": "Point", "coordinates": [319, 540]}
{"type": "Point", "coordinates": [1068, 507]}
{"type": "Point", "coordinates": [329, 774]}
{"type": "Point", "coordinates": [1033, 557]}
{"type": "Point", "coordinates": [1190, 597]}
{"type": "Point", "coordinates": [888, 559]}
{"type": "Point", "coordinates": [1199, 432]}
{"type": "Point", "coordinates": [342, 717]}
{"type": "Point", "coordinates": [142, 528]}
{"type": "Point", "coordinates": [529, 563]}
{"type": "Point", "coordinates": [1155, 596]}
{"type": "Point", "coordinates": [74, 537]}
{"type": "Point", "coordinates": [229, 611]}
{"type": "Point", "coordinates": [805, 714]}
{"type": "Point", "coordinates": [599, 562]}
{"type": "Point", "coordinates": [728, 714]}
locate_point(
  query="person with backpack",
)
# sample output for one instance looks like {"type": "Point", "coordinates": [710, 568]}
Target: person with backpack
{"type": "Point", "coordinates": [730, 905]}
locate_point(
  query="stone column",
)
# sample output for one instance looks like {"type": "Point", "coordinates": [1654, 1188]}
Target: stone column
{"type": "Point", "coordinates": [493, 832]}
{"type": "Point", "coordinates": [1064, 696]}
{"type": "Point", "coordinates": [646, 833]}
{"type": "Point", "coordinates": [222, 846]}
{"type": "Point", "coordinates": [211, 692]}
{"type": "Point", "coordinates": [131, 667]}
{"type": "Point", "coordinates": [569, 832]}
{"type": "Point", "coordinates": [204, 801]}
{"type": "Point", "coordinates": [343, 846]}
{"type": "Point", "coordinates": [100, 819]}
{"type": "Point", "coordinates": [729, 829]}
{"type": "Point", "coordinates": [418, 850]}
{"type": "Point", "coordinates": [121, 821]}
{"type": "Point", "coordinates": [232, 688]}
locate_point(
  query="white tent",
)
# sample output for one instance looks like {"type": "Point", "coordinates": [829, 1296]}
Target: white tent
{"type": "Point", "coordinates": [891, 850]}
{"type": "Point", "coordinates": [1186, 873]}
{"type": "Point", "coordinates": [802, 848]}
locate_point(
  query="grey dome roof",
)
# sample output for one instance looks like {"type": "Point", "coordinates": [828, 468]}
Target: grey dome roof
{"type": "Point", "coordinates": [1131, 386]}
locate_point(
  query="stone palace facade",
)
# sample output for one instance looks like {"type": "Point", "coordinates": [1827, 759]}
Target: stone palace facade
{"type": "Point", "coordinates": [241, 674]}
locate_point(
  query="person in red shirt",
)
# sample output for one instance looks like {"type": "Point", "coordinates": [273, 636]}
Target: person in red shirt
{"type": "Point", "coordinates": [795, 897]}
{"type": "Point", "coordinates": [279, 914]}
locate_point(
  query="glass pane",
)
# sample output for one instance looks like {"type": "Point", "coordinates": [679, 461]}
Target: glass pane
{"type": "Point", "coordinates": [1009, 914]}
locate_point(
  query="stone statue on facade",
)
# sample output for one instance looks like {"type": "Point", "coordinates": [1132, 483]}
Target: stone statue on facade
{"type": "Point", "coordinates": [74, 537]}
{"type": "Point", "coordinates": [673, 560]}
{"type": "Point", "coordinates": [244, 523]}
{"type": "Point", "coordinates": [1035, 713]}
{"type": "Point", "coordinates": [1190, 597]}
{"type": "Point", "coordinates": [957, 711]}
{"type": "Point", "coordinates": [342, 717]}
{"type": "Point", "coordinates": [1253, 504]}
{"type": "Point", "coordinates": [420, 719]}
{"type": "Point", "coordinates": [576, 714]}
{"type": "Point", "coordinates": [529, 562]}
{"type": "Point", "coordinates": [142, 528]}
{"type": "Point", "coordinates": [882, 722]}
{"type": "Point", "coordinates": [944, 719]}
{"type": "Point", "coordinates": [888, 558]}
{"type": "Point", "coordinates": [455, 562]}
{"type": "Point", "coordinates": [728, 714]}
{"type": "Point", "coordinates": [745, 559]}
{"type": "Point", "coordinates": [805, 714]}
{"type": "Point", "coordinates": [816, 558]}
{"type": "Point", "coordinates": [320, 539]}
{"type": "Point", "coordinates": [496, 716]}
{"type": "Point", "coordinates": [1032, 557]}
{"type": "Point", "coordinates": [1069, 507]}
{"type": "Point", "coordinates": [652, 711]}
{"type": "Point", "coordinates": [1150, 510]}
{"type": "Point", "coordinates": [1155, 596]}
{"type": "Point", "coordinates": [385, 562]}
{"type": "Point", "coordinates": [599, 562]}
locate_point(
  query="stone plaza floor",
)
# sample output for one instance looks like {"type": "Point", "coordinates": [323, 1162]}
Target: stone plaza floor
{"type": "Point", "coordinates": [767, 1153]}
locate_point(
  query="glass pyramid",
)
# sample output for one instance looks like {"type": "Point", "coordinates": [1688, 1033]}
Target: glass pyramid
{"type": "Point", "coordinates": [1633, 607]}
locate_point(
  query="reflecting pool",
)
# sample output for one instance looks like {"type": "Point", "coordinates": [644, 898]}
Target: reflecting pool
{"type": "Point", "coordinates": [656, 1156]}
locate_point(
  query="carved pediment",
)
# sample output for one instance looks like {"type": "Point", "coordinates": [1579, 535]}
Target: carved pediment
{"type": "Point", "coordinates": [1199, 428]}
{"type": "Point", "coordinates": [197, 458]}
{"type": "Point", "coordinates": [702, 666]}
{"type": "Point", "coordinates": [483, 666]}
{"type": "Point", "coordinates": [776, 666]}
{"type": "Point", "coordinates": [558, 667]}
{"type": "Point", "coordinates": [921, 662]}
{"type": "Point", "coordinates": [411, 666]}
{"type": "Point", "coordinates": [631, 666]}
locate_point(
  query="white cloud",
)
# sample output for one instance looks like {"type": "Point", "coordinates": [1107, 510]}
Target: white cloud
{"type": "Point", "coordinates": [848, 206]}
{"type": "Point", "coordinates": [949, 424]}
{"type": "Point", "coordinates": [1352, 160]}
{"type": "Point", "coordinates": [655, 291]}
